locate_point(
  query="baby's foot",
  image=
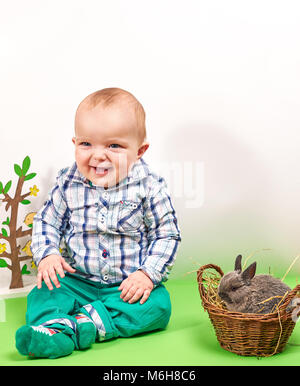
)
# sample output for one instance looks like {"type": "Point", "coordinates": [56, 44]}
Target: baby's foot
{"type": "Point", "coordinates": [86, 331]}
{"type": "Point", "coordinates": [43, 342]}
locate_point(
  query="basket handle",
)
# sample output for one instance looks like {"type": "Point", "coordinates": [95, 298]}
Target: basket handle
{"type": "Point", "coordinates": [290, 296]}
{"type": "Point", "coordinates": [200, 277]}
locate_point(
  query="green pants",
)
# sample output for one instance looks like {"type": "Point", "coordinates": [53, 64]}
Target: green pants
{"type": "Point", "coordinates": [113, 317]}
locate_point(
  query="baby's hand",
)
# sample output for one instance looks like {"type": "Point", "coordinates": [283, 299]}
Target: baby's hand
{"type": "Point", "coordinates": [48, 269]}
{"type": "Point", "coordinates": [137, 285]}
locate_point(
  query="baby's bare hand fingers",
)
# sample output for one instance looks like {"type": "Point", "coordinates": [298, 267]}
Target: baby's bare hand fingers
{"type": "Point", "coordinates": [59, 270]}
{"type": "Point", "coordinates": [145, 296]}
{"type": "Point", "coordinates": [131, 292]}
{"type": "Point", "coordinates": [136, 296]}
{"type": "Point", "coordinates": [47, 280]}
{"type": "Point", "coordinates": [125, 284]}
{"type": "Point", "coordinates": [39, 280]}
{"type": "Point", "coordinates": [125, 288]}
{"type": "Point", "coordinates": [67, 267]}
{"type": "Point", "coordinates": [54, 278]}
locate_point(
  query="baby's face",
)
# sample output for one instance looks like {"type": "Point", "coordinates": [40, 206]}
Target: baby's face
{"type": "Point", "coordinates": [107, 143]}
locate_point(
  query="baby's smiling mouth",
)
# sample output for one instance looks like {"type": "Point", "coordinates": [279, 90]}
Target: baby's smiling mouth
{"type": "Point", "coordinates": [101, 171]}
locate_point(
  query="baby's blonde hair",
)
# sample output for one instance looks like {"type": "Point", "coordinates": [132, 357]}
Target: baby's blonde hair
{"type": "Point", "coordinates": [109, 96]}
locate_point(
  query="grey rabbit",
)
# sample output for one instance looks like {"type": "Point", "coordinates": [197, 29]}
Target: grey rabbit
{"type": "Point", "coordinates": [243, 291]}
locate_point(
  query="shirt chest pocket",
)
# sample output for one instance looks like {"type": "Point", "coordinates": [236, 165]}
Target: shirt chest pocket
{"type": "Point", "coordinates": [84, 218]}
{"type": "Point", "coordinates": [128, 216]}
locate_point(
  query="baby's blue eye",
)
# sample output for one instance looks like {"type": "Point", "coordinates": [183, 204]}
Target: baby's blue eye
{"type": "Point", "coordinates": [85, 144]}
{"type": "Point", "coordinates": [114, 146]}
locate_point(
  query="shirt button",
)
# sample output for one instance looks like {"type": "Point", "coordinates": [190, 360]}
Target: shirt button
{"type": "Point", "coordinates": [105, 253]}
{"type": "Point", "coordinates": [105, 195]}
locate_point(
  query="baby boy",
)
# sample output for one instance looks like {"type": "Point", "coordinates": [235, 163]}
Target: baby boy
{"type": "Point", "coordinates": [105, 239]}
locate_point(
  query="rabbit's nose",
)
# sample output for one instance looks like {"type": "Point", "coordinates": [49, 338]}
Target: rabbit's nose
{"type": "Point", "coordinates": [225, 297]}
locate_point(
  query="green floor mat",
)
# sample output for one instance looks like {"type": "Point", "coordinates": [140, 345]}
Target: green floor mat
{"type": "Point", "coordinates": [189, 339]}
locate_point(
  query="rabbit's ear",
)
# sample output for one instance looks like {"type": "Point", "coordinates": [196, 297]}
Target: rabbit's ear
{"type": "Point", "coordinates": [238, 264]}
{"type": "Point", "coordinates": [249, 273]}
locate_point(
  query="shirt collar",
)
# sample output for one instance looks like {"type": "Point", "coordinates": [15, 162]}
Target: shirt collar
{"type": "Point", "coordinates": [139, 171]}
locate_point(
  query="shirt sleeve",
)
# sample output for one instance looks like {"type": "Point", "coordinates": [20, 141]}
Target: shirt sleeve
{"type": "Point", "coordinates": [48, 226]}
{"type": "Point", "coordinates": [163, 234]}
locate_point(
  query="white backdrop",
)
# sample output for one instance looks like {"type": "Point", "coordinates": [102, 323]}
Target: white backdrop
{"type": "Point", "coordinates": [219, 81]}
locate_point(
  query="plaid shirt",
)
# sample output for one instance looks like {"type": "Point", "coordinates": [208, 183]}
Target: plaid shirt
{"type": "Point", "coordinates": [106, 234]}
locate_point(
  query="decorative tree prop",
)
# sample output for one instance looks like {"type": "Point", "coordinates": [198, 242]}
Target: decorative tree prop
{"type": "Point", "coordinates": [12, 235]}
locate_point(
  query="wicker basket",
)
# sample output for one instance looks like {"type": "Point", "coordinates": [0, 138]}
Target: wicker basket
{"type": "Point", "coordinates": [248, 334]}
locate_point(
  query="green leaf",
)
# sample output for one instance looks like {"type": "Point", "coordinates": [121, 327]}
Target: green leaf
{"type": "Point", "coordinates": [18, 170]}
{"type": "Point", "coordinates": [4, 232]}
{"type": "Point", "coordinates": [25, 202]}
{"type": "Point", "coordinates": [1, 187]}
{"type": "Point", "coordinates": [7, 187]}
{"type": "Point", "coordinates": [3, 263]}
{"type": "Point", "coordinates": [24, 270]}
{"type": "Point", "coordinates": [6, 222]}
{"type": "Point", "coordinates": [26, 165]}
{"type": "Point", "coordinates": [30, 176]}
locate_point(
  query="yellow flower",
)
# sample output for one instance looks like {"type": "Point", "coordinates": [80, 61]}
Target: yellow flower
{"type": "Point", "coordinates": [34, 191]}
{"type": "Point", "coordinates": [33, 265]}
{"type": "Point", "coordinates": [2, 248]}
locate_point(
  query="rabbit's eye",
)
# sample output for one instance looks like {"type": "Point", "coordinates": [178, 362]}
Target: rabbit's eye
{"type": "Point", "coordinates": [234, 288]}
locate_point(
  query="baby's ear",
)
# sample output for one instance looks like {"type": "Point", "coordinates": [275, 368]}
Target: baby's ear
{"type": "Point", "coordinates": [249, 273]}
{"type": "Point", "coordinates": [142, 149]}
